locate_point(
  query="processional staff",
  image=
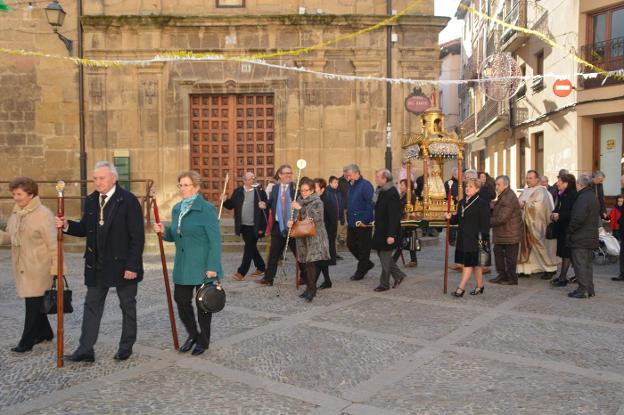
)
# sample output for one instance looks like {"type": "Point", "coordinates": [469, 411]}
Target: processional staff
{"type": "Point", "coordinates": [60, 331]}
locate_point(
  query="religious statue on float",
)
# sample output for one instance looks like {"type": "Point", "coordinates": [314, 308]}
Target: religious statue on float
{"type": "Point", "coordinates": [433, 146]}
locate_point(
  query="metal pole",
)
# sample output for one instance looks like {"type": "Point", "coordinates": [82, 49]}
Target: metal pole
{"type": "Point", "coordinates": [81, 109]}
{"type": "Point", "coordinates": [389, 90]}
{"type": "Point", "coordinates": [60, 280]}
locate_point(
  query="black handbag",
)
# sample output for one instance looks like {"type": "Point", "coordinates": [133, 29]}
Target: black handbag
{"type": "Point", "coordinates": [210, 297]}
{"type": "Point", "coordinates": [484, 252]}
{"type": "Point", "coordinates": [551, 231]}
{"type": "Point", "coordinates": [49, 299]}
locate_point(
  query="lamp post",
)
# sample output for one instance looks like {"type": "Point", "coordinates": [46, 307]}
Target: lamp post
{"type": "Point", "coordinates": [56, 16]}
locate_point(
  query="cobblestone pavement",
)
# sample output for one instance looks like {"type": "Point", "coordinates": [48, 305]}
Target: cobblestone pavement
{"type": "Point", "coordinates": [515, 350]}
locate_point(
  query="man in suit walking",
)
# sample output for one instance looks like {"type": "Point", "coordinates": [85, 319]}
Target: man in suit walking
{"type": "Point", "coordinates": [280, 201]}
{"type": "Point", "coordinates": [112, 222]}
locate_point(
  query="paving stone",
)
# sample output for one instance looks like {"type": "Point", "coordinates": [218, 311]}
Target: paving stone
{"type": "Point", "coordinates": [429, 322]}
{"type": "Point", "coordinates": [461, 384]}
{"type": "Point", "coordinates": [178, 391]}
{"type": "Point", "coordinates": [313, 358]}
{"type": "Point", "coordinates": [584, 345]}
{"type": "Point", "coordinates": [32, 374]}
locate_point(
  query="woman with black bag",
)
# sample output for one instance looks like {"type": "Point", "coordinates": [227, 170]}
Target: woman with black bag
{"type": "Point", "coordinates": [472, 249]}
{"type": "Point", "coordinates": [31, 232]}
{"type": "Point", "coordinates": [197, 236]}
{"type": "Point", "coordinates": [313, 250]}
{"type": "Point", "coordinates": [561, 218]}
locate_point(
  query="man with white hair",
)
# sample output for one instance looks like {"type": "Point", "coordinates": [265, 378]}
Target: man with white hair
{"type": "Point", "coordinates": [582, 236]}
{"type": "Point", "coordinates": [596, 185]}
{"type": "Point", "coordinates": [112, 222]}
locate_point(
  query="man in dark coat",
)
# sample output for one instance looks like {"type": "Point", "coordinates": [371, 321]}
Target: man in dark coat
{"type": "Point", "coordinates": [249, 222]}
{"type": "Point", "coordinates": [598, 179]}
{"type": "Point", "coordinates": [359, 218]}
{"type": "Point", "coordinates": [387, 229]}
{"type": "Point", "coordinates": [583, 236]}
{"type": "Point", "coordinates": [112, 222]}
{"type": "Point", "coordinates": [506, 223]}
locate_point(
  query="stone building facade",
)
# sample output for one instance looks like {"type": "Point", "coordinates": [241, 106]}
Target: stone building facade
{"type": "Point", "coordinates": [226, 116]}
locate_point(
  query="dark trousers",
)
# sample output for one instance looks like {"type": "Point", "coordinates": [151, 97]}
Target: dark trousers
{"type": "Point", "coordinates": [250, 236]}
{"type": "Point", "coordinates": [388, 267]}
{"type": "Point", "coordinates": [324, 268]}
{"type": "Point", "coordinates": [506, 257]}
{"type": "Point", "coordinates": [278, 242]}
{"type": "Point", "coordinates": [183, 295]}
{"type": "Point", "coordinates": [359, 244]}
{"type": "Point", "coordinates": [331, 236]}
{"type": "Point", "coordinates": [92, 316]}
{"type": "Point", "coordinates": [312, 271]}
{"type": "Point", "coordinates": [36, 324]}
{"type": "Point", "coordinates": [583, 269]}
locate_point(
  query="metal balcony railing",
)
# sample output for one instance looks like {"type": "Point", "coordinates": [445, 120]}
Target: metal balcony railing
{"type": "Point", "coordinates": [517, 16]}
{"type": "Point", "coordinates": [490, 112]}
{"type": "Point", "coordinates": [468, 126]}
{"type": "Point", "coordinates": [608, 55]}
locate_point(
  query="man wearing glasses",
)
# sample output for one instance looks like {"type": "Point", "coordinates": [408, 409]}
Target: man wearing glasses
{"type": "Point", "coordinates": [280, 201]}
{"type": "Point", "coordinates": [249, 222]}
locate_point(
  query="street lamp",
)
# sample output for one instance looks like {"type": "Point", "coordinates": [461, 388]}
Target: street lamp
{"type": "Point", "coordinates": [56, 16]}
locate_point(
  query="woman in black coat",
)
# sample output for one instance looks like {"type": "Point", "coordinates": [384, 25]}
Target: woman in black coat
{"type": "Point", "coordinates": [473, 218]}
{"type": "Point", "coordinates": [330, 217]}
{"type": "Point", "coordinates": [561, 216]}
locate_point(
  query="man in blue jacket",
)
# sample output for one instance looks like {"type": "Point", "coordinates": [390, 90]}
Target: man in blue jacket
{"type": "Point", "coordinates": [359, 216]}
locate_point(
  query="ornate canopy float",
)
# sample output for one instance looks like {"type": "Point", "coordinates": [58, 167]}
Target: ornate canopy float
{"type": "Point", "coordinates": [434, 146]}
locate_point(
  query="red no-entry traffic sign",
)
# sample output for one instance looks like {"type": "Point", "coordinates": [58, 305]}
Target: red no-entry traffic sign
{"type": "Point", "coordinates": [562, 87]}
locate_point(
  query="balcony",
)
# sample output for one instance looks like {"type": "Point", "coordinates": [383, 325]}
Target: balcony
{"type": "Point", "coordinates": [467, 126]}
{"type": "Point", "coordinates": [510, 39]}
{"type": "Point", "coordinates": [607, 55]}
{"type": "Point", "coordinates": [492, 117]}
{"type": "Point", "coordinates": [469, 69]}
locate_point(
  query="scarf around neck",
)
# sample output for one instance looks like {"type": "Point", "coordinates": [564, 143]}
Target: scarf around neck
{"type": "Point", "coordinates": [384, 188]}
{"type": "Point", "coordinates": [20, 214]}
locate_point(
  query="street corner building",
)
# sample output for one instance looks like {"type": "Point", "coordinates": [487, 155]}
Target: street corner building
{"type": "Point", "coordinates": [223, 116]}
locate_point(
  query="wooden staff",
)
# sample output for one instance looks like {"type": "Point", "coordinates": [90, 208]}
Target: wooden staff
{"type": "Point", "coordinates": [446, 243]}
{"type": "Point", "coordinates": [174, 330]}
{"type": "Point", "coordinates": [227, 177]}
{"type": "Point", "coordinates": [60, 286]}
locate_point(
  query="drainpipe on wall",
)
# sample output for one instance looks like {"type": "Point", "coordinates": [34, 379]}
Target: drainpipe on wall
{"type": "Point", "coordinates": [81, 124]}
{"type": "Point", "coordinates": [389, 90]}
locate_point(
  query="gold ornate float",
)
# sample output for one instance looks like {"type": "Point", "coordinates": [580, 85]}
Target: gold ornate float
{"type": "Point", "coordinates": [434, 146]}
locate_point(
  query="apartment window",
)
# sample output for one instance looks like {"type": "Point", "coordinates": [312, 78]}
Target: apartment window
{"type": "Point", "coordinates": [230, 3]}
{"type": "Point", "coordinates": [538, 70]}
{"type": "Point", "coordinates": [538, 152]}
{"type": "Point", "coordinates": [606, 32]}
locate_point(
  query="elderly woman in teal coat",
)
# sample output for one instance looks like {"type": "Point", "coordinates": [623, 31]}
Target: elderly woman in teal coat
{"type": "Point", "coordinates": [195, 231]}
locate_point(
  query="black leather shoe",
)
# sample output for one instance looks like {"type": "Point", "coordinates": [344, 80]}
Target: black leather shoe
{"type": "Point", "coordinates": [310, 296]}
{"type": "Point", "coordinates": [21, 349]}
{"type": "Point", "coordinates": [508, 282]}
{"type": "Point", "coordinates": [264, 282]}
{"type": "Point", "coordinates": [188, 344]}
{"type": "Point", "coordinates": [123, 355]}
{"type": "Point", "coordinates": [477, 291]}
{"type": "Point", "coordinates": [303, 294]}
{"type": "Point", "coordinates": [620, 278]}
{"type": "Point", "coordinates": [198, 350]}
{"type": "Point", "coordinates": [325, 285]}
{"type": "Point", "coordinates": [381, 289]}
{"type": "Point", "coordinates": [578, 294]}
{"type": "Point", "coordinates": [397, 282]}
{"type": "Point", "coordinates": [357, 277]}
{"type": "Point", "coordinates": [75, 357]}
{"type": "Point", "coordinates": [559, 283]}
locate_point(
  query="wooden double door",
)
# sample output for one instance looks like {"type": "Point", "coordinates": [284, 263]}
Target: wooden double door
{"type": "Point", "coordinates": [231, 133]}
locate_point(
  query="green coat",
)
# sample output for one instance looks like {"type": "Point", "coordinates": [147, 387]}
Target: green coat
{"type": "Point", "coordinates": [198, 245]}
